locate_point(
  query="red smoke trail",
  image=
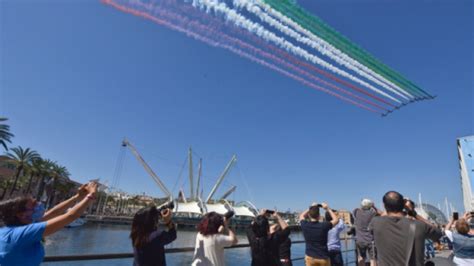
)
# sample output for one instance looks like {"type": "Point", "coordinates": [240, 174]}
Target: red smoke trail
{"type": "Point", "coordinates": [179, 20]}
{"type": "Point", "coordinates": [217, 25]}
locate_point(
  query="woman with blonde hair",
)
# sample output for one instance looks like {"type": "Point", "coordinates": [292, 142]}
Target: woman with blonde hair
{"type": "Point", "coordinates": [462, 239]}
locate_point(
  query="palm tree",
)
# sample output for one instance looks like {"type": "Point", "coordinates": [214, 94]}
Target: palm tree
{"type": "Point", "coordinates": [36, 169]}
{"type": "Point", "coordinates": [4, 184]}
{"type": "Point", "coordinates": [5, 133]}
{"type": "Point", "coordinates": [58, 173]}
{"type": "Point", "coordinates": [22, 158]}
{"type": "Point", "coordinates": [46, 171]}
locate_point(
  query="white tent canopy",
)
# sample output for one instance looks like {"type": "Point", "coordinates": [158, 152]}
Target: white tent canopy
{"type": "Point", "coordinates": [243, 211]}
{"type": "Point", "coordinates": [218, 208]}
{"type": "Point", "coordinates": [189, 207]}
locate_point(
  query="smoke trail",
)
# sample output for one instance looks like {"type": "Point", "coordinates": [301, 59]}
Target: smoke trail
{"type": "Point", "coordinates": [221, 8]}
{"type": "Point", "coordinates": [216, 26]}
{"type": "Point", "coordinates": [176, 25]}
{"type": "Point", "coordinates": [335, 38]}
{"type": "Point", "coordinates": [314, 41]}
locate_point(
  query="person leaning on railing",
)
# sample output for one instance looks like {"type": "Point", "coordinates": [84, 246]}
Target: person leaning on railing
{"type": "Point", "coordinates": [147, 240]}
{"type": "Point", "coordinates": [26, 223]}
{"type": "Point", "coordinates": [462, 239]}
{"type": "Point", "coordinates": [214, 235]}
{"type": "Point", "coordinates": [316, 235]}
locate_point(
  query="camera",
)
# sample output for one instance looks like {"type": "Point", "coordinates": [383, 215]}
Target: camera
{"type": "Point", "coordinates": [269, 212]}
{"type": "Point", "coordinates": [455, 216]}
{"type": "Point", "coordinates": [229, 215]}
{"type": "Point", "coordinates": [351, 231]}
{"type": "Point", "coordinates": [168, 205]}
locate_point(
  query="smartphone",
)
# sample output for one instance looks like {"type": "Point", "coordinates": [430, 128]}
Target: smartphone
{"type": "Point", "coordinates": [269, 212]}
{"type": "Point", "coordinates": [455, 216]}
{"type": "Point", "coordinates": [472, 214]}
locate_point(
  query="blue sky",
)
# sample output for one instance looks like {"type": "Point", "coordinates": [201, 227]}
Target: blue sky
{"type": "Point", "coordinates": [78, 76]}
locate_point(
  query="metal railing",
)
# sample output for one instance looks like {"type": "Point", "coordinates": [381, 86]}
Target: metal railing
{"type": "Point", "coordinates": [108, 256]}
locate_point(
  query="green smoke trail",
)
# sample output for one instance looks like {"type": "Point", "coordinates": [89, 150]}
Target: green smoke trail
{"type": "Point", "coordinates": [318, 27]}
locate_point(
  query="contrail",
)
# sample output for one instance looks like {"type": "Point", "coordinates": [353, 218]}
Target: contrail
{"type": "Point", "coordinates": [239, 20]}
{"type": "Point", "coordinates": [177, 25]}
{"type": "Point", "coordinates": [314, 41]}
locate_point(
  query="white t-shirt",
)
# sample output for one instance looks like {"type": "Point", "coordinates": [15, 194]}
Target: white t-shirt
{"type": "Point", "coordinates": [209, 250]}
{"type": "Point", "coordinates": [456, 260]}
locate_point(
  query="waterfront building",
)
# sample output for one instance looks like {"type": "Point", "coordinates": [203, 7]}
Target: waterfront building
{"type": "Point", "coordinates": [466, 167]}
{"type": "Point", "coordinates": [345, 216]}
{"type": "Point", "coordinates": [7, 168]}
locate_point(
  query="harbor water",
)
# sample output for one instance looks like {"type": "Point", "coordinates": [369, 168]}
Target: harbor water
{"type": "Point", "coordinates": [103, 238]}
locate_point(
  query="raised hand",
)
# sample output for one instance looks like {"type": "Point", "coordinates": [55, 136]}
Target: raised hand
{"type": "Point", "coordinates": [467, 216]}
{"type": "Point", "coordinates": [275, 214]}
{"type": "Point", "coordinates": [82, 191]}
{"type": "Point", "coordinates": [92, 188]}
{"type": "Point", "coordinates": [166, 215]}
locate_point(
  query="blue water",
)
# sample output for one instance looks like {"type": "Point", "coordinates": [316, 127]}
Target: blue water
{"type": "Point", "coordinates": [99, 238]}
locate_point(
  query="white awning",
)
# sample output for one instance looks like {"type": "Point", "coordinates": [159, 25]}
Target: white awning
{"type": "Point", "coordinates": [243, 211]}
{"type": "Point", "coordinates": [189, 207]}
{"type": "Point", "coordinates": [218, 208]}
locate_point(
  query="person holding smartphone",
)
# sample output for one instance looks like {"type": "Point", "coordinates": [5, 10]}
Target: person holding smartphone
{"type": "Point", "coordinates": [214, 235]}
{"type": "Point", "coordinates": [26, 223]}
{"type": "Point", "coordinates": [316, 234]}
{"type": "Point", "coordinates": [462, 238]}
{"type": "Point", "coordinates": [148, 240]}
{"type": "Point", "coordinates": [265, 246]}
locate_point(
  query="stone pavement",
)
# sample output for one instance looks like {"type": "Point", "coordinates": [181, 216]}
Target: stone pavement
{"type": "Point", "coordinates": [441, 258]}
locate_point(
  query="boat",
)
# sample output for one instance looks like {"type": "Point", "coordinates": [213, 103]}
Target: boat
{"type": "Point", "coordinates": [76, 223]}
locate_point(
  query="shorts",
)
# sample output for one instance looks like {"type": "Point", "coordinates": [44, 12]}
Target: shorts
{"type": "Point", "coordinates": [364, 248]}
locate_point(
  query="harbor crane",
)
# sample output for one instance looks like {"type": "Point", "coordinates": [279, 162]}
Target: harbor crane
{"type": "Point", "coordinates": [126, 143]}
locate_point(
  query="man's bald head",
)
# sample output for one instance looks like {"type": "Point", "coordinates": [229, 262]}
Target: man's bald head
{"type": "Point", "coordinates": [393, 201]}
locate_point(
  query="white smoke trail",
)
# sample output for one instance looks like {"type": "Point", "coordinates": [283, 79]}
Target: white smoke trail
{"type": "Point", "coordinates": [220, 8]}
{"type": "Point", "coordinates": [207, 35]}
{"type": "Point", "coordinates": [316, 43]}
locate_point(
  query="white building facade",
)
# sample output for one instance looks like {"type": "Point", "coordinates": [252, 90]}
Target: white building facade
{"type": "Point", "coordinates": [466, 166]}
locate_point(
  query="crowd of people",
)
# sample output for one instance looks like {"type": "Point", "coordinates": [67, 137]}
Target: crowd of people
{"type": "Point", "coordinates": [396, 236]}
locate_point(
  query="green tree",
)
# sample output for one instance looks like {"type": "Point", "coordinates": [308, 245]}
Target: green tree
{"type": "Point", "coordinates": [5, 134]}
{"type": "Point", "coordinates": [46, 171]}
{"type": "Point", "coordinates": [35, 170]}
{"type": "Point", "coordinates": [5, 184]}
{"type": "Point", "coordinates": [22, 158]}
{"type": "Point", "coordinates": [58, 173]}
